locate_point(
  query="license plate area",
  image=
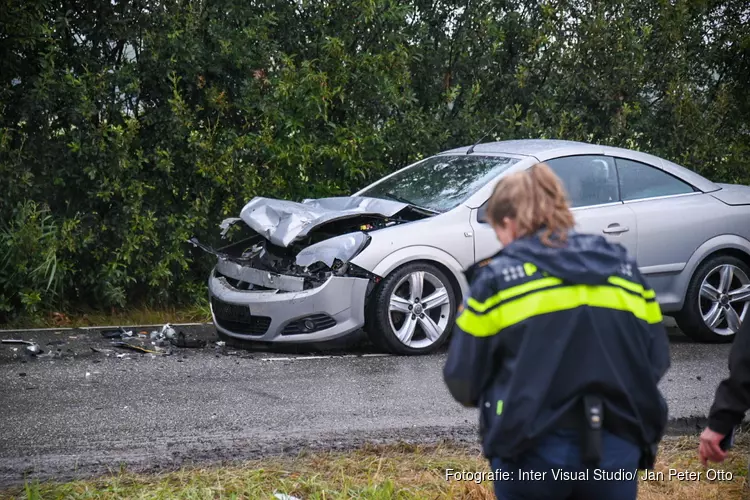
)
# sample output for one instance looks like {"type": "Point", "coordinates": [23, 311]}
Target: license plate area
{"type": "Point", "coordinates": [238, 318]}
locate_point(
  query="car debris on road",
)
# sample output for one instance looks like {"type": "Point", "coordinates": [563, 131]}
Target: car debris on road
{"type": "Point", "coordinates": [183, 341]}
{"type": "Point", "coordinates": [117, 334]}
{"type": "Point", "coordinates": [31, 347]}
{"type": "Point", "coordinates": [166, 336]}
{"type": "Point", "coordinates": [133, 347]}
{"type": "Point", "coordinates": [115, 342]}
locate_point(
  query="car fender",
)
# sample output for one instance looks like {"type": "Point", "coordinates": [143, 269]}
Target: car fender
{"type": "Point", "coordinates": [423, 252]}
{"type": "Point", "coordinates": [715, 244]}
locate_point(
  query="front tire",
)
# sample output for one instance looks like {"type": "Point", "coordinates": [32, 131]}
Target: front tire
{"type": "Point", "coordinates": [412, 311]}
{"type": "Point", "coordinates": [717, 300]}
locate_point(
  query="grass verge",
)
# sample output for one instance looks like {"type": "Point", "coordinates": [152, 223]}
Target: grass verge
{"type": "Point", "coordinates": [382, 472]}
{"type": "Point", "coordinates": [199, 313]}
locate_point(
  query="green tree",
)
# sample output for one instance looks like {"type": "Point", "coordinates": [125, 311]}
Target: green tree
{"type": "Point", "coordinates": [128, 126]}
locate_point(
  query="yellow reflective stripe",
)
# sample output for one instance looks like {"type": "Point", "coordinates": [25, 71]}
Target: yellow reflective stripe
{"type": "Point", "coordinates": [554, 300]}
{"type": "Point", "coordinates": [632, 286]}
{"type": "Point", "coordinates": [509, 293]}
{"type": "Point", "coordinates": [531, 286]}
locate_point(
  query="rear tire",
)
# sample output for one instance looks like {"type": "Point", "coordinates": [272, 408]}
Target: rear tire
{"type": "Point", "coordinates": [717, 300]}
{"type": "Point", "coordinates": [412, 311]}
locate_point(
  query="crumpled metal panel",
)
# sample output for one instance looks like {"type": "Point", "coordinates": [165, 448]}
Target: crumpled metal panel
{"type": "Point", "coordinates": [341, 248]}
{"type": "Point", "coordinates": [259, 277]}
{"type": "Point", "coordinates": [282, 222]}
{"type": "Point", "coordinates": [226, 224]}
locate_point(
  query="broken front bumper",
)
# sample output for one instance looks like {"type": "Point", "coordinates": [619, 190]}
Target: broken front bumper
{"type": "Point", "coordinates": [267, 314]}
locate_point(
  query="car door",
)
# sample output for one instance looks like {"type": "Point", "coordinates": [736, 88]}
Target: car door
{"type": "Point", "coordinates": [593, 190]}
{"type": "Point", "coordinates": [672, 216]}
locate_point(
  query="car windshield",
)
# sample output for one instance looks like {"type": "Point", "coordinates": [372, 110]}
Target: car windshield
{"type": "Point", "coordinates": [440, 183]}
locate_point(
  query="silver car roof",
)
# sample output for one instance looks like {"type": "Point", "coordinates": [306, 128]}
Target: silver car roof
{"type": "Point", "coordinates": [526, 147]}
{"type": "Point", "coordinates": [545, 149]}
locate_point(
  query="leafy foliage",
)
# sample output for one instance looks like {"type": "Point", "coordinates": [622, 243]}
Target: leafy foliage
{"type": "Point", "coordinates": [128, 126]}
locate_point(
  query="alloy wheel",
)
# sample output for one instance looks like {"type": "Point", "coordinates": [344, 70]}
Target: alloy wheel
{"type": "Point", "coordinates": [724, 299]}
{"type": "Point", "coordinates": [419, 309]}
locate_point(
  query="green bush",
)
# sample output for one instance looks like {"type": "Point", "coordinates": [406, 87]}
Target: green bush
{"type": "Point", "coordinates": [128, 127]}
{"type": "Point", "coordinates": [33, 259]}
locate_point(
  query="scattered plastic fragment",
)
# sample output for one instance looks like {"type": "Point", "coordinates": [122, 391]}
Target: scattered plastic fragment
{"type": "Point", "coordinates": [167, 331]}
{"type": "Point", "coordinates": [16, 341]}
{"type": "Point", "coordinates": [168, 335]}
{"type": "Point", "coordinates": [163, 337]}
{"type": "Point", "coordinates": [220, 343]}
{"type": "Point", "coordinates": [31, 347]}
{"type": "Point", "coordinates": [116, 334]}
{"type": "Point", "coordinates": [133, 347]}
{"type": "Point", "coordinates": [102, 351]}
{"type": "Point", "coordinates": [51, 354]}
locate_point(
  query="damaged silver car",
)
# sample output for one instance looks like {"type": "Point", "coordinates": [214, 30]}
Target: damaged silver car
{"type": "Point", "coordinates": [391, 258]}
{"type": "Point", "coordinates": [388, 259]}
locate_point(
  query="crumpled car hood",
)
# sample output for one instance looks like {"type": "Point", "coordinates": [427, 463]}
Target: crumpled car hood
{"type": "Point", "coordinates": [282, 222]}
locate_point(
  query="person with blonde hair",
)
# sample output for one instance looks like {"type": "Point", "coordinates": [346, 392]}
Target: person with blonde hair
{"type": "Point", "coordinates": [561, 346]}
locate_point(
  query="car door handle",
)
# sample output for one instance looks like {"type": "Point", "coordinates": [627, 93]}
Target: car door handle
{"type": "Point", "coordinates": [615, 229]}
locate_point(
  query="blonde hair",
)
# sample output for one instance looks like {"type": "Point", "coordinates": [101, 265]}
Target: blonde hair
{"type": "Point", "coordinates": [535, 199]}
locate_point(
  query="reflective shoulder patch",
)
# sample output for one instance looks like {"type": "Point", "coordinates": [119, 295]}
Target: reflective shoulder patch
{"type": "Point", "coordinates": [530, 269]}
{"type": "Point", "coordinates": [517, 272]}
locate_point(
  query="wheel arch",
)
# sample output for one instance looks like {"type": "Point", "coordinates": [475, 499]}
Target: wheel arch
{"type": "Point", "coordinates": [427, 255]}
{"type": "Point", "coordinates": [726, 244]}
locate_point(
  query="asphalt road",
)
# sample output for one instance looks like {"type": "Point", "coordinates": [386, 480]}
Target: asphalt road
{"type": "Point", "coordinates": [80, 412]}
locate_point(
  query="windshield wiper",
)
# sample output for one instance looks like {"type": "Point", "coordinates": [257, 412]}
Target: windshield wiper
{"type": "Point", "coordinates": [404, 200]}
{"type": "Point", "coordinates": [398, 198]}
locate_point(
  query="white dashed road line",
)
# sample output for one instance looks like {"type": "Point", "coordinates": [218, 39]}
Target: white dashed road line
{"type": "Point", "coordinates": [296, 358]}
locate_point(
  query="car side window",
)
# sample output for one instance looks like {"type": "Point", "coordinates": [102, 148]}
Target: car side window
{"type": "Point", "coordinates": [639, 181]}
{"type": "Point", "coordinates": [588, 179]}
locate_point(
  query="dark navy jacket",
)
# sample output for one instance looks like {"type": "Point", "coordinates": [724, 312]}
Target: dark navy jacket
{"type": "Point", "coordinates": [544, 326]}
{"type": "Point", "coordinates": [732, 399]}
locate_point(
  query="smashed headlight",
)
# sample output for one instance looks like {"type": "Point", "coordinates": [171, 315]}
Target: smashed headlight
{"type": "Point", "coordinates": [342, 248]}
